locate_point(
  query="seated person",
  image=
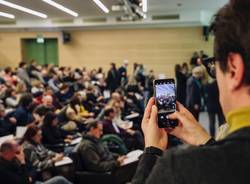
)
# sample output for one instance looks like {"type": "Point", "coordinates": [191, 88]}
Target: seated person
{"type": "Point", "coordinates": [40, 157]}
{"type": "Point", "coordinates": [11, 100]}
{"type": "Point", "coordinates": [47, 101]}
{"type": "Point", "coordinates": [75, 110]}
{"type": "Point", "coordinates": [7, 126]}
{"type": "Point", "coordinates": [14, 169]}
{"type": "Point", "coordinates": [51, 133]}
{"type": "Point", "coordinates": [39, 113]}
{"type": "Point", "coordinates": [23, 114]}
{"type": "Point", "coordinates": [93, 154]}
{"type": "Point", "coordinates": [65, 94]}
{"type": "Point", "coordinates": [132, 138]}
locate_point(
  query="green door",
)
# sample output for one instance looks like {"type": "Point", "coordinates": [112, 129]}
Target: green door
{"type": "Point", "coordinates": [51, 51]}
{"type": "Point", "coordinates": [43, 53]}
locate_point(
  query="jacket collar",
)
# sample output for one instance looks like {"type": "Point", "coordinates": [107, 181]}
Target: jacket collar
{"type": "Point", "coordinates": [89, 137]}
{"type": "Point", "coordinates": [242, 134]}
{"type": "Point", "coordinates": [238, 119]}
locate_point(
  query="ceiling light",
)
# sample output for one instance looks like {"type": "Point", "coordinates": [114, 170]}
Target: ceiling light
{"type": "Point", "coordinates": [144, 5]}
{"type": "Point", "coordinates": [21, 8]}
{"type": "Point", "coordinates": [102, 6]}
{"type": "Point", "coordinates": [7, 15]}
{"type": "Point", "coordinates": [61, 7]}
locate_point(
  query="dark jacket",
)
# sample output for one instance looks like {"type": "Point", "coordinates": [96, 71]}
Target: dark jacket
{"type": "Point", "coordinates": [6, 127]}
{"type": "Point", "coordinates": [181, 80]}
{"type": "Point", "coordinates": [52, 135]}
{"type": "Point", "coordinates": [223, 162]}
{"type": "Point", "coordinates": [94, 156]}
{"type": "Point", "coordinates": [109, 129]}
{"type": "Point", "coordinates": [13, 172]}
{"type": "Point", "coordinates": [113, 80]}
{"type": "Point", "coordinates": [22, 115]}
{"type": "Point", "coordinates": [212, 98]}
{"type": "Point", "coordinates": [193, 92]}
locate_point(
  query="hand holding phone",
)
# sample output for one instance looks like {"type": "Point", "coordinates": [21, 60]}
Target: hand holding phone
{"type": "Point", "coordinates": [165, 100]}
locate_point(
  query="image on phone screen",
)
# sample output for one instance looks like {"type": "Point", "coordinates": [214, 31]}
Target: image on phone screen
{"type": "Point", "coordinates": [165, 97]}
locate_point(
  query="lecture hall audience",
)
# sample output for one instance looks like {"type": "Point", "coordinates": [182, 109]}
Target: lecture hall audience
{"type": "Point", "coordinates": [59, 104]}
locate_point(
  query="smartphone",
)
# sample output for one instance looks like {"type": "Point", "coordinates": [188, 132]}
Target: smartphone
{"type": "Point", "coordinates": [165, 100]}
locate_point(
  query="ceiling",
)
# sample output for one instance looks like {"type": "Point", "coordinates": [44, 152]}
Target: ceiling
{"type": "Point", "coordinates": [190, 12]}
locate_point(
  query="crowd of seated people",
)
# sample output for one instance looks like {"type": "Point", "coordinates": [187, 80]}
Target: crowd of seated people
{"type": "Point", "coordinates": [58, 105]}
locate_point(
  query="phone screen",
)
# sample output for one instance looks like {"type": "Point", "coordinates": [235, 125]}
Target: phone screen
{"type": "Point", "coordinates": [165, 97]}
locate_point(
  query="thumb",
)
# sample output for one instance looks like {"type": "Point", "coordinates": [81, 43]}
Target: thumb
{"type": "Point", "coordinates": [175, 116]}
{"type": "Point", "coordinates": [154, 113]}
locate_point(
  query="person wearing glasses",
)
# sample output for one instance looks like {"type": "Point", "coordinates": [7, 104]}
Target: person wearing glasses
{"type": "Point", "coordinates": [208, 161]}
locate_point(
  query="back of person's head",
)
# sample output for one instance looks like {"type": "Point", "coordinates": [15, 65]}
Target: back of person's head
{"type": "Point", "coordinates": [64, 87]}
{"type": "Point", "coordinates": [2, 108]}
{"type": "Point", "coordinates": [113, 65]}
{"type": "Point", "coordinates": [8, 70]}
{"type": "Point", "coordinates": [22, 64]}
{"type": "Point", "coordinates": [31, 131]}
{"type": "Point", "coordinates": [75, 100]}
{"type": "Point", "coordinates": [197, 72]}
{"type": "Point", "coordinates": [231, 27]}
{"type": "Point", "coordinates": [107, 111]}
{"type": "Point", "coordinates": [25, 100]}
{"type": "Point", "coordinates": [49, 118]}
{"type": "Point", "coordinates": [9, 92]}
{"type": "Point", "coordinates": [41, 110]}
{"type": "Point", "coordinates": [116, 96]}
{"type": "Point", "coordinates": [177, 68]}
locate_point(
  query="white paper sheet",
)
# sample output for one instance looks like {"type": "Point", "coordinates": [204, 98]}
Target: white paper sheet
{"type": "Point", "coordinates": [64, 161]}
{"type": "Point", "coordinates": [6, 138]}
{"type": "Point", "coordinates": [132, 157]}
{"type": "Point", "coordinates": [76, 141]}
{"type": "Point", "coordinates": [20, 131]}
{"type": "Point", "coordinates": [131, 116]}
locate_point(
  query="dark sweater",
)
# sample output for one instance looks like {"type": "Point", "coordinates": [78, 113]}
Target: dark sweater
{"type": "Point", "coordinates": [223, 162]}
{"type": "Point", "coordinates": [13, 172]}
{"type": "Point", "coordinates": [52, 135]}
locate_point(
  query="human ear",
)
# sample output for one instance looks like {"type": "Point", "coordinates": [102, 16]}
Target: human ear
{"type": "Point", "coordinates": [235, 70]}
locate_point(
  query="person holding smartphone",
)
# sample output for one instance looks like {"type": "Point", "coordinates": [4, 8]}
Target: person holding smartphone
{"type": "Point", "coordinates": [208, 162]}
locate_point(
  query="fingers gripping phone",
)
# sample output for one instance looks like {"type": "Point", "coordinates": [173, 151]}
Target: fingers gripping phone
{"type": "Point", "coordinates": [165, 100]}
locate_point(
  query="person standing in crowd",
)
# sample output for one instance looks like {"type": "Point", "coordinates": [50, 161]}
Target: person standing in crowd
{"type": "Point", "coordinates": [113, 78]}
{"type": "Point", "coordinates": [213, 106]}
{"type": "Point", "coordinates": [181, 81]}
{"type": "Point", "coordinates": [185, 69]}
{"type": "Point", "coordinates": [193, 61]}
{"type": "Point", "coordinates": [22, 73]}
{"type": "Point", "coordinates": [208, 161]}
{"type": "Point", "coordinates": [94, 155]}
{"type": "Point", "coordinates": [15, 170]}
{"type": "Point", "coordinates": [123, 73]}
{"type": "Point", "coordinates": [202, 55]}
{"type": "Point", "coordinates": [140, 75]}
{"type": "Point", "coordinates": [193, 91]}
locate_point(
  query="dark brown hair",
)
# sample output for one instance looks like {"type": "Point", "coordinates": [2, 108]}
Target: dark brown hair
{"type": "Point", "coordinates": [30, 133]}
{"type": "Point", "coordinates": [231, 27]}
